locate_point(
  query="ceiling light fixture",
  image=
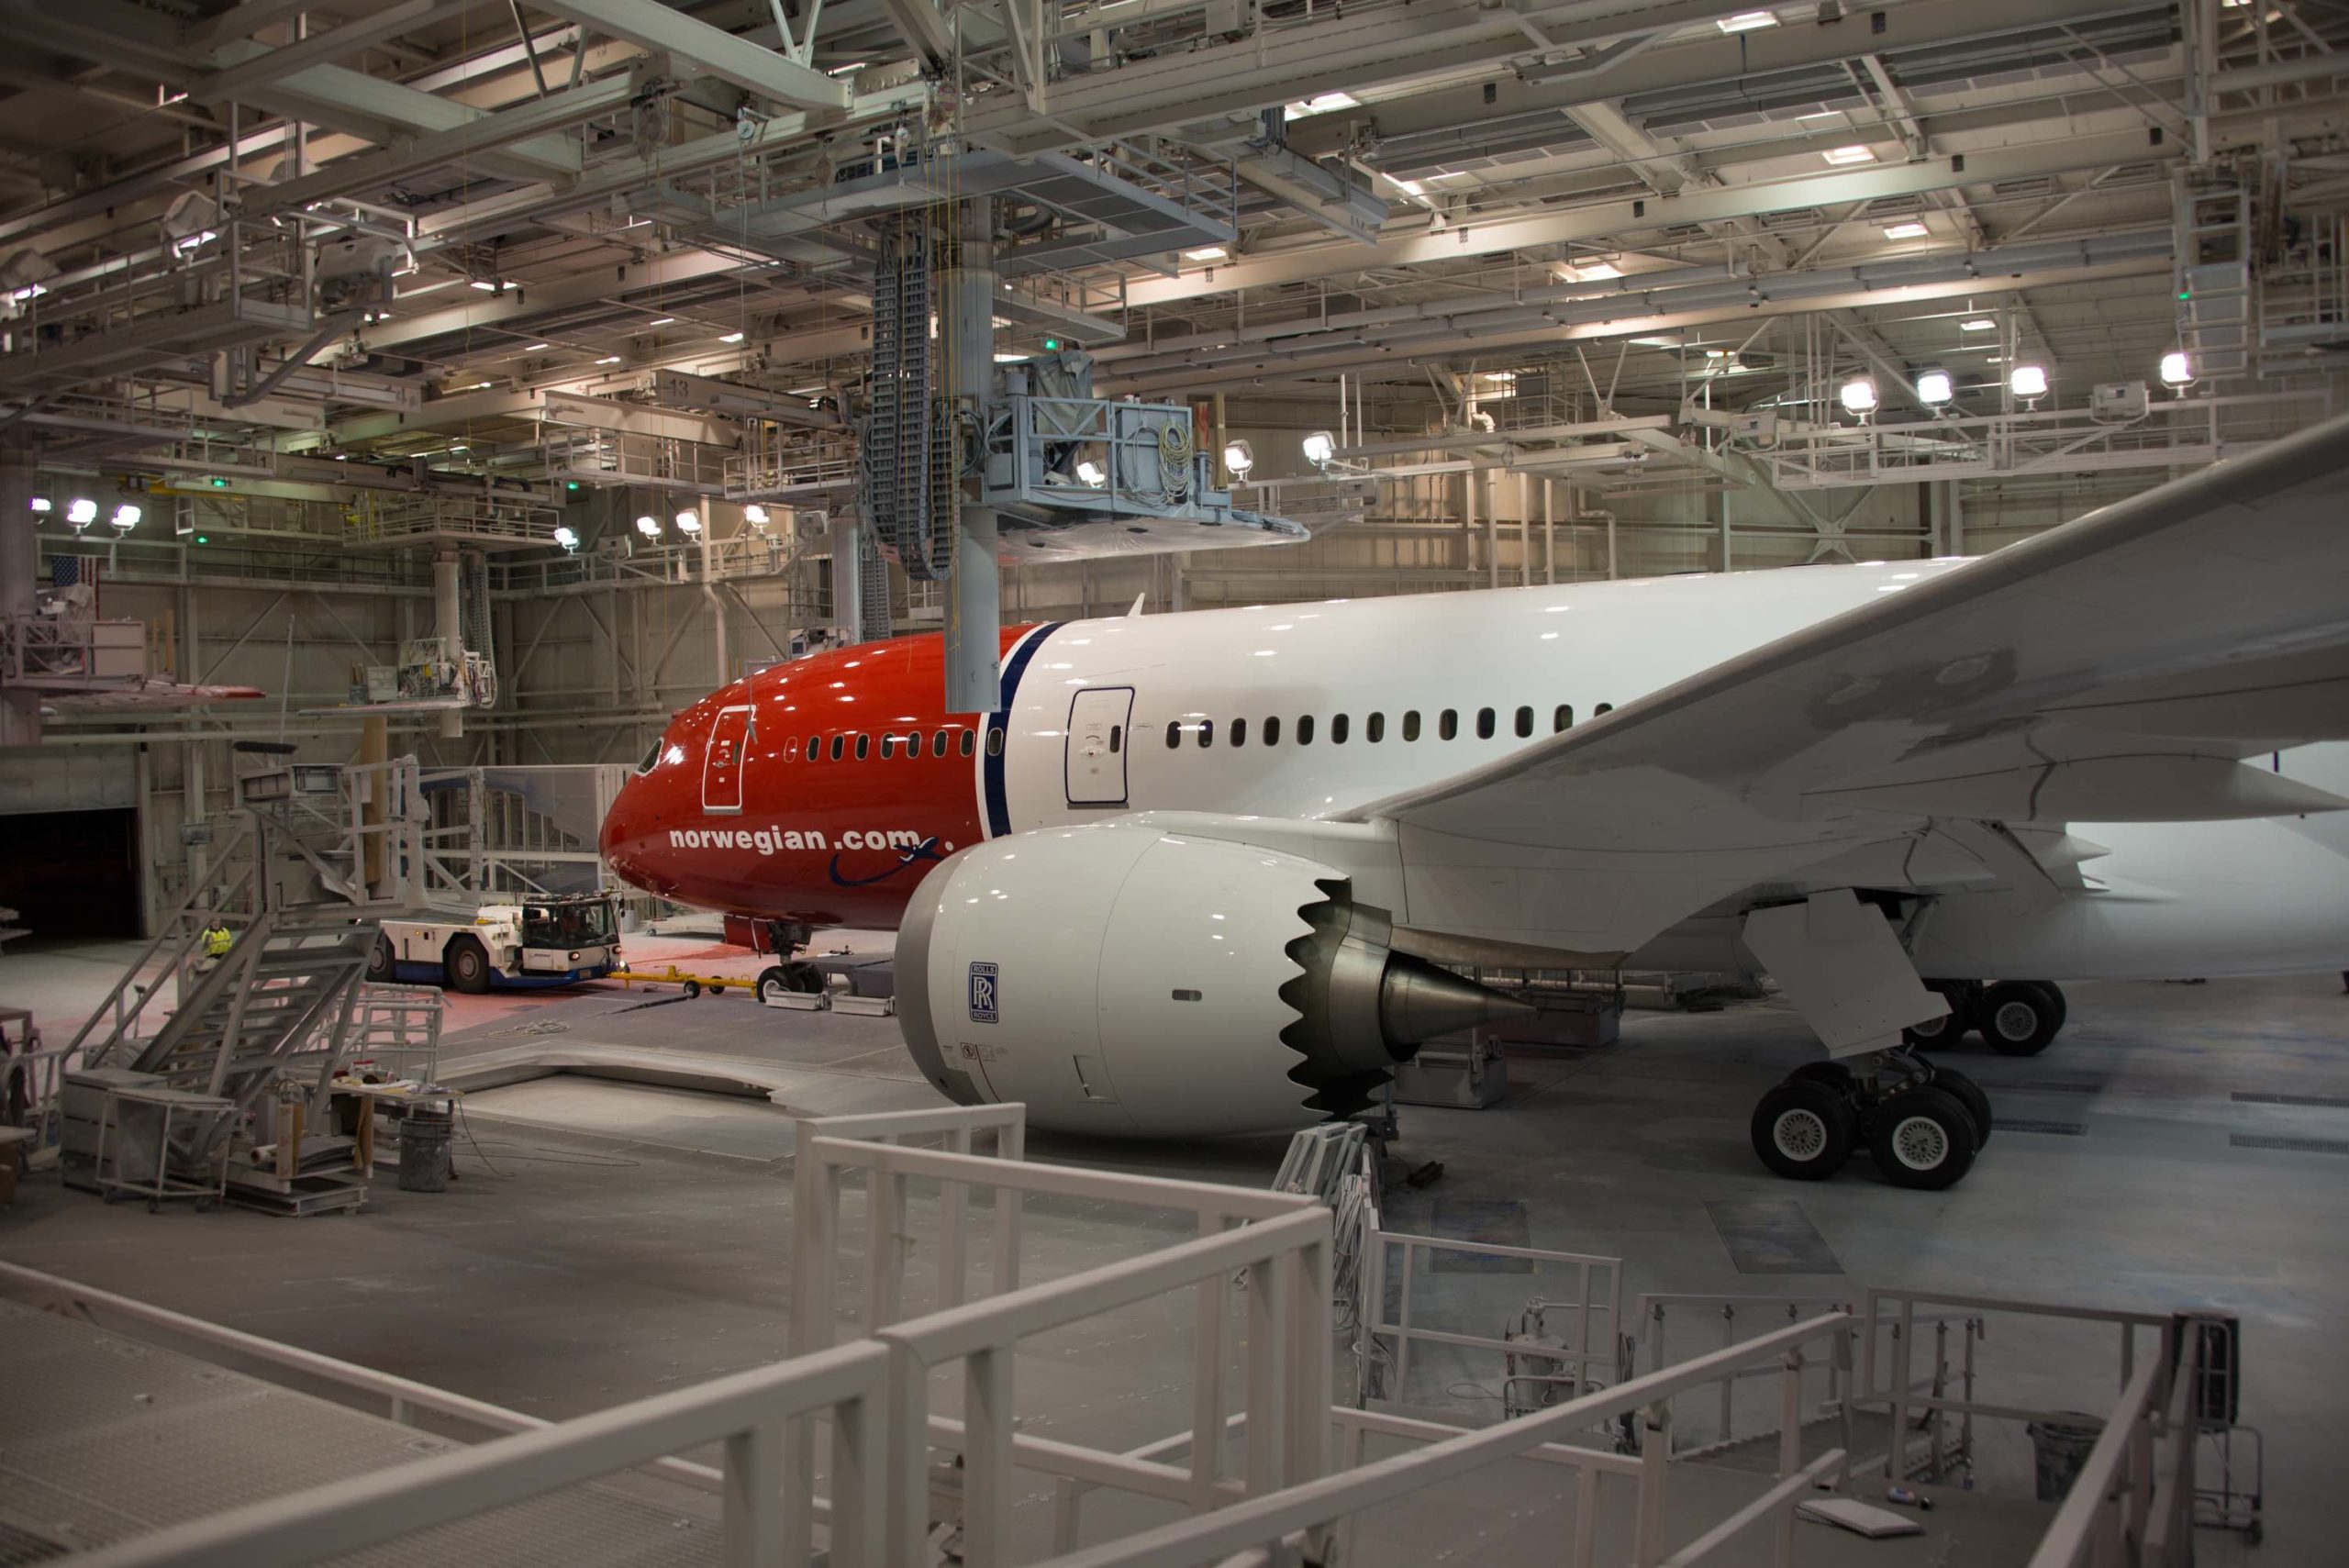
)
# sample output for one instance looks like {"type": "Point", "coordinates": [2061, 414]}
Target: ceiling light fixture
{"type": "Point", "coordinates": [1208, 253]}
{"type": "Point", "coordinates": [2028, 381]}
{"type": "Point", "coordinates": [535, 348]}
{"type": "Point", "coordinates": [1840, 156]}
{"type": "Point", "coordinates": [1978, 324]}
{"type": "Point", "coordinates": [1934, 388]}
{"type": "Point", "coordinates": [664, 321]}
{"type": "Point", "coordinates": [2178, 371]}
{"type": "Point", "coordinates": [1858, 395]}
{"type": "Point", "coordinates": [609, 360]}
{"type": "Point", "coordinates": [1908, 230]}
{"type": "Point", "coordinates": [1319, 104]}
{"type": "Point", "coordinates": [730, 337]}
{"type": "Point", "coordinates": [1746, 22]}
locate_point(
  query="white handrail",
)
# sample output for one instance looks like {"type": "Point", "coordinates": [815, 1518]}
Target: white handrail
{"type": "Point", "coordinates": [2085, 1506]}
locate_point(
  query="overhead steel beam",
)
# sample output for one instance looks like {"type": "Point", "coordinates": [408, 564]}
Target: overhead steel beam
{"type": "Point", "coordinates": [243, 21]}
{"type": "Point", "coordinates": [1601, 220]}
{"type": "Point", "coordinates": [1696, 59]}
{"type": "Point", "coordinates": [1344, 206]}
{"type": "Point", "coordinates": [323, 47]}
{"type": "Point", "coordinates": [753, 68]}
{"type": "Point", "coordinates": [923, 28]}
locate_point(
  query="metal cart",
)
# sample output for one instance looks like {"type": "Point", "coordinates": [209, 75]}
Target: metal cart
{"type": "Point", "coordinates": [138, 1122]}
{"type": "Point", "coordinates": [2239, 1500]}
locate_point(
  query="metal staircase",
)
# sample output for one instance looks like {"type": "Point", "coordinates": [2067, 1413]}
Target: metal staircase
{"type": "Point", "coordinates": [2214, 276]}
{"type": "Point", "coordinates": [287, 990]}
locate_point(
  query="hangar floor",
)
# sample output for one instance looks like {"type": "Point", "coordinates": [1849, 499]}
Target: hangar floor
{"type": "Point", "coordinates": [2178, 1146]}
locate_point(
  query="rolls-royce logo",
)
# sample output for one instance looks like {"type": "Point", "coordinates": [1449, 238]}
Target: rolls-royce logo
{"type": "Point", "coordinates": [983, 993]}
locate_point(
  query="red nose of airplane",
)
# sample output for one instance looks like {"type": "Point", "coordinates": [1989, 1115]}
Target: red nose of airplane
{"type": "Point", "coordinates": [634, 840]}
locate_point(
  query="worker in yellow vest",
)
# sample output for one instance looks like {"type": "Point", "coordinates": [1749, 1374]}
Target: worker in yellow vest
{"type": "Point", "coordinates": [218, 941]}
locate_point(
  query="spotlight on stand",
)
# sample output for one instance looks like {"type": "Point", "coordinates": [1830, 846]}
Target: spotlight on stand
{"type": "Point", "coordinates": [1239, 457]}
{"type": "Point", "coordinates": [2027, 382]}
{"type": "Point", "coordinates": [1934, 388]}
{"type": "Point", "coordinates": [1858, 396]}
{"type": "Point", "coordinates": [2178, 371]}
{"type": "Point", "coordinates": [1090, 472]}
{"type": "Point", "coordinates": [81, 512]}
{"type": "Point", "coordinates": [649, 526]}
{"type": "Point", "coordinates": [689, 524]}
{"type": "Point", "coordinates": [1319, 447]}
{"type": "Point", "coordinates": [756, 515]}
{"type": "Point", "coordinates": [566, 537]}
{"type": "Point", "coordinates": [126, 517]}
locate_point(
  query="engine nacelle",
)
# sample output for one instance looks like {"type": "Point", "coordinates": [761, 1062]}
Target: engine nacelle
{"type": "Point", "coordinates": [1123, 978]}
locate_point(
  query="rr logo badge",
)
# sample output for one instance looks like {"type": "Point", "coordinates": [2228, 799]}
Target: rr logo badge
{"type": "Point", "coordinates": [983, 993]}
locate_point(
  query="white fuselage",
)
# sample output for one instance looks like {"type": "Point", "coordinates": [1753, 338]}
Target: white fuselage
{"type": "Point", "coordinates": [1315, 711]}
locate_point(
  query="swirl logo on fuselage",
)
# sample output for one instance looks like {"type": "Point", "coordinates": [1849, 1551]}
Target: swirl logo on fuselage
{"type": "Point", "coordinates": [927, 849]}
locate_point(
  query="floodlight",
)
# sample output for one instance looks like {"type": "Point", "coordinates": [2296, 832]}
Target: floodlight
{"type": "Point", "coordinates": [1858, 395]}
{"type": "Point", "coordinates": [82, 511]}
{"type": "Point", "coordinates": [126, 517]}
{"type": "Point", "coordinates": [2176, 368]}
{"type": "Point", "coordinates": [2028, 381]}
{"type": "Point", "coordinates": [689, 524]}
{"type": "Point", "coordinates": [1934, 387]}
{"type": "Point", "coordinates": [567, 538]}
{"type": "Point", "coordinates": [649, 526]}
{"type": "Point", "coordinates": [755, 515]}
{"type": "Point", "coordinates": [39, 505]}
{"type": "Point", "coordinates": [1239, 458]}
{"type": "Point", "coordinates": [1319, 447]}
{"type": "Point", "coordinates": [1090, 472]}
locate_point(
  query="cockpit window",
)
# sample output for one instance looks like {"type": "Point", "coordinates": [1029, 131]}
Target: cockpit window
{"type": "Point", "coordinates": [650, 758]}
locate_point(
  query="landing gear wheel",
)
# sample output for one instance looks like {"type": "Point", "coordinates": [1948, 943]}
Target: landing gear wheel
{"type": "Point", "coordinates": [778, 978]}
{"type": "Point", "coordinates": [1803, 1129]}
{"type": "Point", "coordinates": [1922, 1138]}
{"type": "Point", "coordinates": [2054, 994]}
{"type": "Point", "coordinates": [379, 960]}
{"type": "Point", "coordinates": [1967, 1093]}
{"type": "Point", "coordinates": [466, 965]}
{"type": "Point", "coordinates": [2019, 1018]}
{"type": "Point", "coordinates": [1939, 1034]}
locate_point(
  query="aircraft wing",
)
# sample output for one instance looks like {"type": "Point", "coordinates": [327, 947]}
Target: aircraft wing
{"type": "Point", "coordinates": [2121, 667]}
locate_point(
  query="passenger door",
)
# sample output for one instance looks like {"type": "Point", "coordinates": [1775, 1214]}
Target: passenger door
{"type": "Point", "coordinates": [1100, 719]}
{"type": "Point", "coordinates": [726, 760]}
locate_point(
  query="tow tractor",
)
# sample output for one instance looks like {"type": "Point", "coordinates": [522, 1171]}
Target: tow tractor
{"type": "Point", "coordinates": [553, 940]}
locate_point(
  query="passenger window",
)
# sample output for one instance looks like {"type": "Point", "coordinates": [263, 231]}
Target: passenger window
{"type": "Point", "coordinates": [1484, 724]}
{"type": "Point", "coordinates": [888, 747]}
{"type": "Point", "coordinates": [1207, 732]}
{"type": "Point", "coordinates": [1602, 708]}
{"type": "Point", "coordinates": [1374, 729]}
{"type": "Point", "coordinates": [1524, 722]}
{"type": "Point", "coordinates": [1239, 732]}
{"type": "Point", "coordinates": [840, 744]}
{"type": "Point", "coordinates": [1411, 724]}
{"type": "Point", "coordinates": [1447, 723]}
{"type": "Point", "coordinates": [1117, 738]}
{"type": "Point", "coordinates": [1305, 730]}
{"type": "Point", "coordinates": [1338, 728]}
{"type": "Point", "coordinates": [994, 740]}
{"type": "Point", "coordinates": [937, 744]}
{"type": "Point", "coordinates": [1174, 733]}
{"type": "Point", "coordinates": [970, 741]}
{"type": "Point", "coordinates": [863, 744]}
{"type": "Point", "coordinates": [913, 747]}
{"type": "Point", "coordinates": [1564, 718]}
{"type": "Point", "coordinates": [1272, 731]}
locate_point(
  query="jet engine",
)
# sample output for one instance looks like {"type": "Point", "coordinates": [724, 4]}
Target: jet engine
{"type": "Point", "coordinates": [1127, 979]}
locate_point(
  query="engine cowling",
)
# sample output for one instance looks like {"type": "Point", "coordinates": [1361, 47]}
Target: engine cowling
{"type": "Point", "coordinates": [1127, 979]}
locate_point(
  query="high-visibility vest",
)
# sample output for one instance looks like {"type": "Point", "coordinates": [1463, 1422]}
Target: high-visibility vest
{"type": "Point", "coordinates": [218, 941]}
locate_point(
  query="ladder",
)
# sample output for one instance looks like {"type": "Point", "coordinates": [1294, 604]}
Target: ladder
{"type": "Point", "coordinates": [2213, 223]}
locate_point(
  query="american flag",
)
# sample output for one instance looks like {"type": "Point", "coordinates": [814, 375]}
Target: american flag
{"type": "Point", "coordinates": [64, 570]}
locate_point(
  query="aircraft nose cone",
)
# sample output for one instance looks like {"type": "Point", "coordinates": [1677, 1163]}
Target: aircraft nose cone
{"type": "Point", "coordinates": [631, 837]}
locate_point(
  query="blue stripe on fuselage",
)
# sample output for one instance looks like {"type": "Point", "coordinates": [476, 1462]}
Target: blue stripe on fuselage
{"type": "Point", "coordinates": [998, 804]}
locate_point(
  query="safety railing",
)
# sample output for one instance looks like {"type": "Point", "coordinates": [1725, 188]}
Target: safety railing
{"type": "Point", "coordinates": [166, 970]}
{"type": "Point", "coordinates": [1582, 1356]}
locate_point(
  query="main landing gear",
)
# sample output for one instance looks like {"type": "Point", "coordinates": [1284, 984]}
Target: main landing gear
{"type": "Point", "coordinates": [1921, 1124]}
{"type": "Point", "coordinates": [2018, 1018]}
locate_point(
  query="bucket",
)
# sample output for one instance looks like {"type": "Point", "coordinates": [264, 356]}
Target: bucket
{"type": "Point", "coordinates": [2059, 1448]}
{"type": "Point", "coordinates": [424, 1150]}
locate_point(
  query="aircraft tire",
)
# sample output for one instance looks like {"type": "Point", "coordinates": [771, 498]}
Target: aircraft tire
{"type": "Point", "coordinates": [2019, 1018]}
{"type": "Point", "coordinates": [1803, 1129]}
{"type": "Point", "coordinates": [1923, 1139]}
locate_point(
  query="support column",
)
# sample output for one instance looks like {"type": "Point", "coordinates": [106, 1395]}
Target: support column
{"type": "Point", "coordinates": [448, 624]}
{"type": "Point", "coordinates": [975, 587]}
{"type": "Point", "coordinates": [19, 579]}
{"type": "Point", "coordinates": [848, 581]}
{"type": "Point", "coordinates": [374, 751]}
{"type": "Point", "coordinates": [1549, 530]}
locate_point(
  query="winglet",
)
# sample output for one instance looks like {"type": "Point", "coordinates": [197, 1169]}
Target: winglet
{"type": "Point", "coordinates": [1140, 599]}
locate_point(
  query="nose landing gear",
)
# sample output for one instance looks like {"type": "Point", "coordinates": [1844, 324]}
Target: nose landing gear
{"type": "Point", "coordinates": [1922, 1124]}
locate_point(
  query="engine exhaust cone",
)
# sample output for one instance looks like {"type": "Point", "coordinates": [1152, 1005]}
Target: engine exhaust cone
{"type": "Point", "coordinates": [1417, 1001]}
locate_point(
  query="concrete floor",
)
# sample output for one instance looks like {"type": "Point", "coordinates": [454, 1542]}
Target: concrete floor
{"type": "Point", "coordinates": [609, 1240]}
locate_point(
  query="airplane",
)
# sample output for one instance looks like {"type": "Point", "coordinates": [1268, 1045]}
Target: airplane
{"type": "Point", "coordinates": [1212, 873]}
